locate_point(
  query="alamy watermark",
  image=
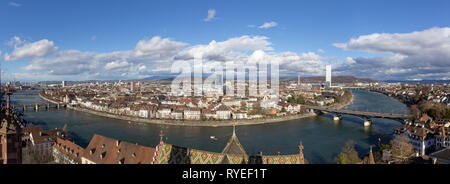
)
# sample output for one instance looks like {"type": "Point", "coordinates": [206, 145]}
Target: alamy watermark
{"type": "Point", "coordinates": [256, 78]}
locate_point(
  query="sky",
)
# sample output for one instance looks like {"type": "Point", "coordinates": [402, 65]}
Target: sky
{"type": "Point", "coordinates": [116, 39]}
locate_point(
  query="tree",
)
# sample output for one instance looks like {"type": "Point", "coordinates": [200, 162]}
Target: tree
{"type": "Point", "coordinates": [291, 100]}
{"type": "Point", "coordinates": [401, 147]}
{"type": "Point", "coordinates": [283, 109]}
{"type": "Point", "coordinates": [300, 99]}
{"type": "Point", "coordinates": [32, 155]}
{"type": "Point", "coordinates": [348, 154]}
{"type": "Point", "coordinates": [415, 112]}
{"type": "Point", "coordinates": [243, 105]}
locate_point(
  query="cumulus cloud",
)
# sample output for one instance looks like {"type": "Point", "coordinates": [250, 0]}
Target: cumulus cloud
{"type": "Point", "coordinates": [141, 62]}
{"type": "Point", "coordinates": [211, 15]}
{"type": "Point", "coordinates": [409, 55]}
{"type": "Point", "coordinates": [226, 49]}
{"type": "Point", "coordinates": [268, 25]}
{"type": "Point", "coordinates": [30, 50]}
{"type": "Point", "coordinates": [320, 51]}
{"type": "Point", "coordinates": [157, 46]}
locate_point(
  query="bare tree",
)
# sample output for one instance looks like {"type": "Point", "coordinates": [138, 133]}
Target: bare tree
{"type": "Point", "coordinates": [32, 155]}
{"type": "Point", "coordinates": [348, 154]}
{"type": "Point", "coordinates": [401, 147]}
{"type": "Point", "coordinates": [415, 112]}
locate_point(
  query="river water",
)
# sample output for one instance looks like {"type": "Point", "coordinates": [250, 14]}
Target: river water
{"type": "Point", "coordinates": [321, 136]}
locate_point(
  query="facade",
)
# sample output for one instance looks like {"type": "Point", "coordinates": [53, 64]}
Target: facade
{"type": "Point", "coordinates": [105, 150]}
{"type": "Point", "coordinates": [328, 77]}
{"type": "Point", "coordinates": [132, 86]}
{"type": "Point", "coordinates": [66, 152]}
{"type": "Point", "coordinates": [10, 138]}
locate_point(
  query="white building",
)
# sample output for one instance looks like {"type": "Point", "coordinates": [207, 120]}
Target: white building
{"type": "Point", "coordinates": [328, 76]}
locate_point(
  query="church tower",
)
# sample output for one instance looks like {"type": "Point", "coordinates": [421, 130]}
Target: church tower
{"type": "Point", "coordinates": [10, 139]}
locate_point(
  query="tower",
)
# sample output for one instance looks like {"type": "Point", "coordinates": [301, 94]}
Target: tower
{"type": "Point", "coordinates": [300, 154]}
{"type": "Point", "coordinates": [133, 86]}
{"type": "Point", "coordinates": [299, 82]}
{"type": "Point", "coordinates": [328, 76]}
{"type": "Point", "coordinates": [10, 139]}
{"type": "Point", "coordinates": [371, 159]}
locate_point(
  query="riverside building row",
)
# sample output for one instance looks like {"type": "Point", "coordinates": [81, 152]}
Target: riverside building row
{"type": "Point", "coordinates": [155, 102]}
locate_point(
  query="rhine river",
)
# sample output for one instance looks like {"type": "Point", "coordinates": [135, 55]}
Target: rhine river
{"type": "Point", "coordinates": [321, 136]}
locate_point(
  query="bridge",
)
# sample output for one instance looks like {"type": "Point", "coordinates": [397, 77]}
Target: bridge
{"type": "Point", "coordinates": [365, 115]}
{"type": "Point", "coordinates": [37, 107]}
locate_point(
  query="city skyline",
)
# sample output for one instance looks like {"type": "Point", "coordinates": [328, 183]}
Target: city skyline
{"type": "Point", "coordinates": [55, 41]}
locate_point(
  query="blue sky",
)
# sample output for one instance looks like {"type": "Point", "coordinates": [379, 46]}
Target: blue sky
{"type": "Point", "coordinates": [93, 28]}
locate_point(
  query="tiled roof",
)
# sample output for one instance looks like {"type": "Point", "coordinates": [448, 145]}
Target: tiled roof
{"type": "Point", "coordinates": [69, 148]}
{"type": "Point", "coordinates": [104, 150]}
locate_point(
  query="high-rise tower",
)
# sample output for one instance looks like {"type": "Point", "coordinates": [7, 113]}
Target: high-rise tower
{"type": "Point", "coordinates": [328, 76]}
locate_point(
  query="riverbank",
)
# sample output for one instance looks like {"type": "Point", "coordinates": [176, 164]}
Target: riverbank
{"type": "Point", "coordinates": [208, 123]}
{"type": "Point", "coordinates": [49, 100]}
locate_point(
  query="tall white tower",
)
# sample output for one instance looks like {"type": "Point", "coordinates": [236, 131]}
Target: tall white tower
{"type": "Point", "coordinates": [328, 76]}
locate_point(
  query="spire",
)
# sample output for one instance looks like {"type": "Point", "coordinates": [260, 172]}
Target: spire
{"type": "Point", "coordinates": [234, 129]}
{"type": "Point", "coordinates": [300, 154]}
{"type": "Point", "coordinates": [371, 159]}
{"type": "Point", "coordinates": [8, 101]}
{"type": "Point", "coordinates": [161, 135]}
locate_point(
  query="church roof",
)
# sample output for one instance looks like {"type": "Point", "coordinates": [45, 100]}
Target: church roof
{"type": "Point", "coordinates": [233, 146]}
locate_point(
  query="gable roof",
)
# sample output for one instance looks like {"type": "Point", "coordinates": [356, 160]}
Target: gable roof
{"type": "Point", "coordinates": [104, 150]}
{"type": "Point", "coordinates": [69, 148]}
{"type": "Point", "coordinates": [234, 146]}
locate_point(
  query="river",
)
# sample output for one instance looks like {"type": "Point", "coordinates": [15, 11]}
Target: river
{"type": "Point", "coordinates": [321, 136]}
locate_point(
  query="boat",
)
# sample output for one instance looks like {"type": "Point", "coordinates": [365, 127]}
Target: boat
{"type": "Point", "coordinates": [213, 138]}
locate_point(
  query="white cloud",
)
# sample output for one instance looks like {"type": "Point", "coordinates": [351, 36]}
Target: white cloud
{"type": "Point", "coordinates": [30, 50]}
{"type": "Point", "coordinates": [15, 4]}
{"type": "Point", "coordinates": [157, 46]}
{"type": "Point", "coordinates": [412, 55]}
{"type": "Point", "coordinates": [221, 50]}
{"type": "Point", "coordinates": [268, 25]}
{"type": "Point", "coordinates": [211, 15]}
{"type": "Point", "coordinates": [320, 51]}
{"type": "Point", "coordinates": [140, 62]}
{"type": "Point", "coordinates": [116, 64]}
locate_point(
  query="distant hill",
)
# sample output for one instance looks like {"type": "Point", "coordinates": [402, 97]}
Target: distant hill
{"type": "Point", "coordinates": [334, 79]}
{"type": "Point", "coordinates": [420, 81]}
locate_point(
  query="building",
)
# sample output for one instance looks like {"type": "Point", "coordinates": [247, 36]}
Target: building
{"type": "Point", "coordinates": [63, 83]}
{"type": "Point", "coordinates": [233, 153]}
{"type": "Point", "coordinates": [328, 77]}
{"type": "Point", "coordinates": [299, 82]}
{"type": "Point", "coordinates": [10, 138]}
{"type": "Point", "coordinates": [441, 156]}
{"type": "Point", "coordinates": [105, 150]}
{"type": "Point", "coordinates": [219, 81]}
{"type": "Point", "coordinates": [67, 152]}
{"type": "Point", "coordinates": [132, 86]}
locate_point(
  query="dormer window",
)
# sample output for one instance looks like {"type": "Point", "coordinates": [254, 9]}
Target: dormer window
{"type": "Point", "coordinates": [92, 151]}
{"type": "Point", "coordinates": [103, 145]}
{"type": "Point", "coordinates": [103, 155]}
{"type": "Point", "coordinates": [122, 161]}
{"type": "Point", "coordinates": [134, 154]}
{"type": "Point", "coordinates": [117, 143]}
